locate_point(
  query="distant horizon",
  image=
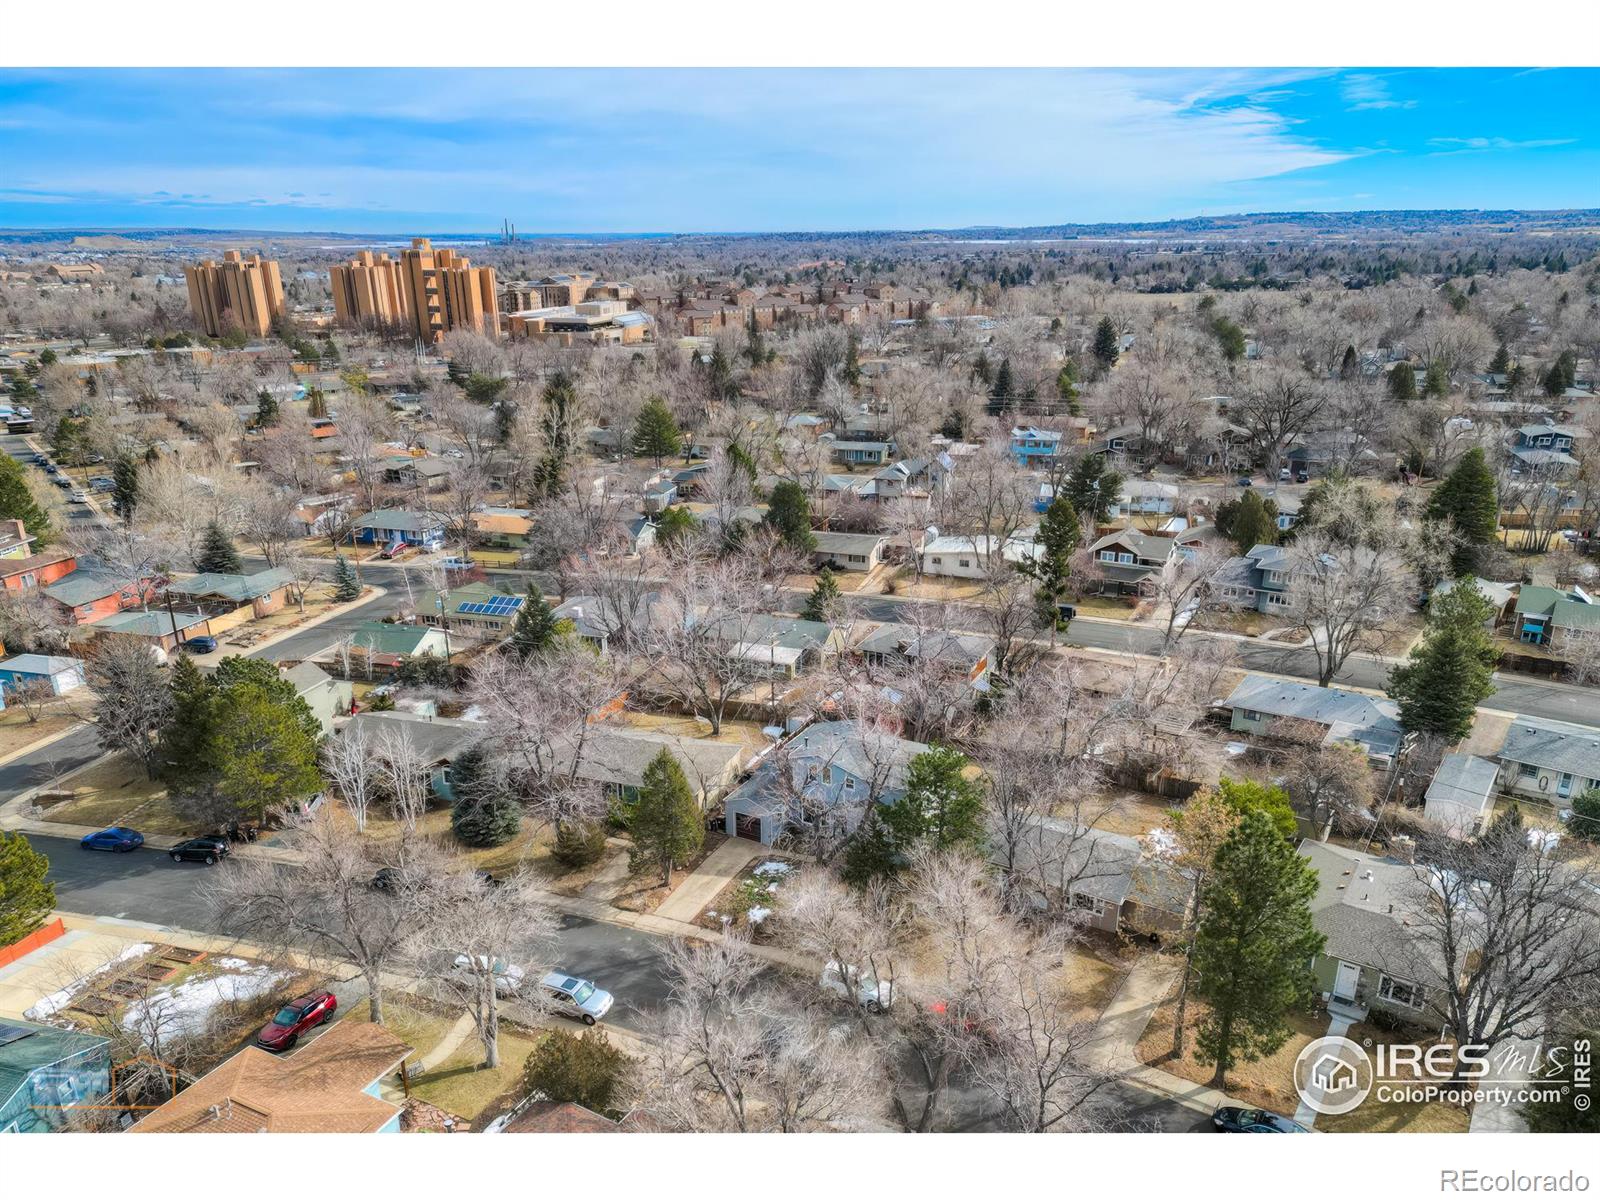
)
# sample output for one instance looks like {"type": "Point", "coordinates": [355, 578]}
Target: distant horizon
{"type": "Point", "coordinates": [636, 152]}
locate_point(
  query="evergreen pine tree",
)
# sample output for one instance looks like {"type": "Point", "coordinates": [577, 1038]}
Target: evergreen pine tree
{"type": "Point", "coordinates": [1350, 364]}
{"type": "Point", "coordinates": [17, 502]}
{"type": "Point", "coordinates": [852, 361]}
{"type": "Point", "coordinates": [1555, 1108]}
{"type": "Point", "coordinates": [266, 409]}
{"type": "Point", "coordinates": [1249, 521]}
{"type": "Point", "coordinates": [579, 843]}
{"type": "Point", "coordinates": [1436, 382]}
{"type": "Point", "coordinates": [675, 524]}
{"type": "Point", "coordinates": [1402, 382]}
{"type": "Point", "coordinates": [483, 812]}
{"type": "Point", "coordinates": [1092, 489]}
{"type": "Point", "coordinates": [1585, 819]}
{"type": "Point", "coordinates": [1067, 384]}
{"type": "Point", "coordinates": [871, 853]}
{"type": "Point", "coordinates": [1467, 500]}
{"type": "Point", "coordinates": [655, 433]}
{"type": "Point", "coordinates": [1255, 944]}
{"type": "Point", "coordinates": [535, 627]}
{"type": "Point", "coordinates": [125, 493]}
{"type": "Point", "coordinates": [26, 894]}
{"type": "Point", "coordinates": [217, 552]}
{"type": "Point", "coordinates": [1501, 362]}
{"type": "Point", "coordinates": [823, 603]}
{"type": "Point", "coordinates": [981, 369]}
{"type": "Point", "coordinates": [666, 822]}
{"type": "Point", "coordinates": [941, 807]}
{"type": "Point", "coordinates": [585, 1069]}
{"type": "Point", "coordinates": [1058, 538]}
{"type": "Point", "coordinates": [316, 403]}
{"type": "Point", "coordinates": [789, 515]}
{"type": "Point", "coordinates": [1107, 345]}
{"type": "Point", "coordinates": [346, 587]}
{"type": "Point", "coordinates": [1448, 673]}
{"type": "Point", "coordinates": [183, 740]}
{"type": "Point", "coordinates": [1004, 391]}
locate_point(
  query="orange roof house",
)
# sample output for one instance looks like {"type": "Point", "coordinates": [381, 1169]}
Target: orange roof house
{"type": "Point", "coordinates": [328, 1086]}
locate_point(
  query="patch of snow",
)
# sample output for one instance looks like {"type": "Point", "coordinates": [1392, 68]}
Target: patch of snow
{"type": "Point", "coordinates": [1163, 843]}
{"type": "Point", "coordinates": [56, 1001]}
{"type": "Point", "coordinates": [234, 964]}
{"type": "Point", "coordinates": [474, 713]}
{"type": "Point", "coordinates": [498, 1125]}
{"type": "Point", "coordinates": [711, 912]}
{"type": "Point", "coordinates": [1543, 840]}
{"type": "Point", "coordinates": [773, 869]}
{"type": "Point", "coordinates": [1235, 749]}
{"type": "Point", "coordinates": [185, 1010]}
{"type": "Point", "coordinates": [757, 915]}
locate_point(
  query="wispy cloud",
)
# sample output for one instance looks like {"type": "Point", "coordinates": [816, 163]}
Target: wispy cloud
{"type": "Point", "coordinates": [1362, 92]}
{"type": "Point", "coordinates": [1475, 145]}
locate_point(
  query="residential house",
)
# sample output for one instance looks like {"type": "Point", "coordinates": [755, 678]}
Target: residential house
{"type": "Point", "coordinates": [35, 570]}
{"type": "Point", "coordinates": [896, 646]}
{"type": "Point", "coordinates": [386, 644]}
{"type": "Point", "coordinates": [970, 556]}
{"type": "Point", "coordinates": [162, 629]}
{"type": "Point", "coordinates": [324, 695]}
{"type": "Point", "coordinates": [550, 1116]}
{"type": "Point", "coordinates": [1121, 442]}
{"type": "Point", "coordinates": [92, 593]}
{"type": "Point", "coordinates": [1108, 878]}
{"type": "Point", "coordinates": [914, 477]}
{"type": "Point", "coordinates": [1549, 760]}
{"type": "Point", "coordinates": [1372, 958]}
{"type": "Point", "coordinates": [848, 551]}
{"type": "Point", "coordinates": [402, 526]}
{"type": "Point", "coordinates": [1277, 708]}
{"type": "Point", "coordinates": [784, 645]}
{"type": "Point", "coordinates": [659, 496]}
{"type": "Point", "coordinates": [1146, 497]}
{"type": "Point", "coordinates": [1460, 798]}
{"type": "Point", "coordinates": [826, 773]}
{"type": "Point", "coordinates": [861, 453]}
{"type": "Point", "coordinates": [502, 528]}
{"type": "Point", "coordinates": [1501, 597]}
{"type": "Point", "coordinates": [631, 535]}
{"type": "Point", "coordinates": [333, 1084]}
{"type": "Point", "coordinates": [1258, 579]}
{"type": "Point", "coordinates": [57, 674]}
{"type": "Point", "coordinates": [436, 740]}
{"type": "Point", "coordinates": [407, 470]}
{"type": "Point", "coordinates": [219, 593]}
{"type": "Point", "coordinates": [1543, 445]}
{"type": "Point", "coordinates": [1546, 616]}
{"type": "Point", "coordinates": [1036, 447]}
{"type": "Point", "coordinates": [1288, 512]}
{"type": "Point", "coordinates": [615, 757]}
{"type": "Point", "coordinates": [476, 609]}
{"type": "Point", "coordinates": [1327, 449]}
{"type": "Point", "coordinates": [45, 1072]}
{"type": "Point", "coordinates": [1133, 563]}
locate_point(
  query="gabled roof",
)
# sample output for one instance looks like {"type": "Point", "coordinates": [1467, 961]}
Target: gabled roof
{"type": "Point", "coordinates": [1145, 545]}
{"type": "Point", "coordinates": [1361, 906]}
{"type": "Point", "coordinates": [437, 739]}
{"type": "Point", "coordinates": [1350, 716]}
{"type": "Point", "coordinates": [318, 1089]}
{"type": "Point", "coordinates": [1465, 780]}
{"type": "Point", "coordinates": [963, 649]}
{"type": "Point", "coordinates": [41, 664]}
{"type": "Point", "coordinates": [234, 587]}
{"type": "Point", "coordinates": [149, 624]}
{"type": "Point", "coordinates": [405, 519]}
{"type": "Point", "coordinates": [305, 676]}
{"type": "Point", "coordinates": [1554, 745]}
{"type": "Point", "coordinates": [88, 584]}
{"type": "Point", "coordinates": [829, 542]}
{"type": "Point", "coordinates": [381, 637]}
{"type": "Point", "coordinates": [38, 1046]}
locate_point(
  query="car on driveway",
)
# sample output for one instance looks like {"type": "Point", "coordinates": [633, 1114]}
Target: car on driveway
{"type": "Point", "coordinates": [295, 1018]}
{"type": "Point", "coordinates": [507, 976]}
{"type": "Point", "coordinates": [1230, 1119]}
{"type": "Point", "coordinates": [458, 564]}
{"type": "Point", "coordinates": [78, 496]}
{"type": "Point", "coordinates": [872, 994]}
{"type": "Point", "coordinates": [210, 849]}
{"type": "Point", "coordinates": [574, 997]}
{"type": "Point", "coordinates": [1244, 481]}
{"type": "Point", "coordinates": [117, 839]}
{"type": "Point", "coordinates": [204, 644]}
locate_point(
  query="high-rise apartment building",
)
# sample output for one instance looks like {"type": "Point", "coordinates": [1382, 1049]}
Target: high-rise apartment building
{"type": "Point", "coordinates": [432, 291]}
{"type": "Point", "coordinates": [237, 293]}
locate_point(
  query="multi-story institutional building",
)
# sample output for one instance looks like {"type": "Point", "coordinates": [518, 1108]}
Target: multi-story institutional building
{"type": "Point", "coordinates": [594, 322]}
{"type": "Point", "coordinates": [553, 291]}
{"type": "Point", "coordinates": [237, 293]}
{"type": "Point", "coordinates": [432, 291]}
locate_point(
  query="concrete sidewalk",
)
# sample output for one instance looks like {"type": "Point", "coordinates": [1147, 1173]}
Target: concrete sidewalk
{"type": "Point", "coordinates": [721, 867]}
{"type": "Point", "coordinates": [1122, 1025]}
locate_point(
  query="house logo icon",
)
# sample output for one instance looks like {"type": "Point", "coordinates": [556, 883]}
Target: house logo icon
{"type": "Point", "coordinates": [1333, 1075]}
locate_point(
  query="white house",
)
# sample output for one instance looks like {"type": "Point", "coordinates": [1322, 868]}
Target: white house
{"type": "Point", "coordinates": [968, 556]}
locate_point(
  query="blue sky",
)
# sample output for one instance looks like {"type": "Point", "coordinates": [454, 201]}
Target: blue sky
{"type": "Point", "coordinates": [396, 151]}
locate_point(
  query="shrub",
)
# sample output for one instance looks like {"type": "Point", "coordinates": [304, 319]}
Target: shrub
{"type": "Point", "coordinates": [579, 844]}
{"type": "Point", "coordinates": [572, 1069]}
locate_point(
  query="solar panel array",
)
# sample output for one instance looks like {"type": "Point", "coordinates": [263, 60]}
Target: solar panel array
{"type": "Point", "coordinates": [13, 1033]}
{"type": "Point", "coordinates": [498, 606]}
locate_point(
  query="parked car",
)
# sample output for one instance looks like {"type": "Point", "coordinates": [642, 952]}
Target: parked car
{"type": "Point", "coordinates": [209, 849]}
{"type": "Point", "coordinates": [116, 839]}
{"type": "Point", "coordinates": [1230, 1119]}
{"type": "Point", "coordinates": [203, 644]}
{"type": "Point", "coordinates": [458, 564]}
{"type": "Point", "coordinates": [577, 997]}
{"type": "Point", "coordinates": [507, 976]}
{"type": "Point", "coordinates": [392, 549]}
{"type": "Point", "coordinates": [78, 496]}
{"type": "Point", "coordinates": [295, 1018]}
{"type": "Point", "coordinates": [41, 460]}
{"type": "Point", "coordinates": [1244, 481]}
{"type": "Point", "coordinates": [1284, 474]}
{"type": "Point", "coordinates": [871, 994]}
{"type": "Point", "coordinates": [61, 481]}
{"type": "Point", "coordinates": [1302, 475]}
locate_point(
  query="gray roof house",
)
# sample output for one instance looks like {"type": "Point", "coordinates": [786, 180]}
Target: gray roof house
{"type": "Point", "coordinates": [1132, 562]}
{"type": "Point", "coordinates": [1261, 705]}
{"type": "Point", "coordinates": [891, 645]}
{"type": "Point", "coordinates": [848, 551]}
{"type": "Point", "coordinates": [324, 695]}
{"type": "Point", "coordinates": [826, 773]}
{"type": "Point", "coordinates": [1108, 878]}
{"type": "Point", "coordinates": [1550, 760]}
{"type": "Point", "coordinates": [1372, 959]}
{"type": "Point", "coordinates": [413, 526]}
{"type": "Point", "coordinates": [1257, 579]}
{"type": "Point", "coordinates": [1460, 798]}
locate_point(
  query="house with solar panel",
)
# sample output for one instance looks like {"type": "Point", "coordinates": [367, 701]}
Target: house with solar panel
{"type": "Point", "coordinates": [478, 610]}
{"type": "Point", "coordinates": [45, 1072]}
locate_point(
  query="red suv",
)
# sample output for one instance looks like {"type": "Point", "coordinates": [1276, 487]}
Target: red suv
{"type": "Point", "coordinates": [296, 1018]}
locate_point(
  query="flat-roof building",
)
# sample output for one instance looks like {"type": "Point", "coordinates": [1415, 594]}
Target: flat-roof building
{"type": "Point", "coordinates": [237, 293]}
{"type": "Point", "coordinates": [432, 291]}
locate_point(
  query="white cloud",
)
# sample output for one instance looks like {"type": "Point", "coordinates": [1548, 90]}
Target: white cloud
{"type": "Point", "coordinates": [1361, 92]}
{"type": "Point", "coordinates": [1473, 145]}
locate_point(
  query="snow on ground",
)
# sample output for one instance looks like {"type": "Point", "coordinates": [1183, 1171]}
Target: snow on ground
{"type": "Point", "coordinates": [185, 1009]}
{"type": "Point", "coordinates": [234, 964]}
{"type": "Point", "coordinates": [56, 1001]}
{"type": "Point", "coordinates": [773, 869]}
{"type": "Point", "coordinates": [757, 915]}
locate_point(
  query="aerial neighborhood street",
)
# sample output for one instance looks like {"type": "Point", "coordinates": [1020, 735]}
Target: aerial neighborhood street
{"type": "Point", "coordinates": [1088, 678]}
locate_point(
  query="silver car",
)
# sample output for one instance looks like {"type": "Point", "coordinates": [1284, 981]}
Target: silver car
{"type": "Point", "coordinates": [576, 997]}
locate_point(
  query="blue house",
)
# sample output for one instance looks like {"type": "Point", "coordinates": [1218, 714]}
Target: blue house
{"type": "Point", "coordinates": [414, 527]}
{"type": "Point", "coordinates": [1035, 447]}
{"type": "Point", "coordinates": [45, 1071]}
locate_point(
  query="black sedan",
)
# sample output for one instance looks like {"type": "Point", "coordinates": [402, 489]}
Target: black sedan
{"type": "Point", "coordinates": [1253, 1120]}
{"type": "Point", "coordinates": [209, 850]}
